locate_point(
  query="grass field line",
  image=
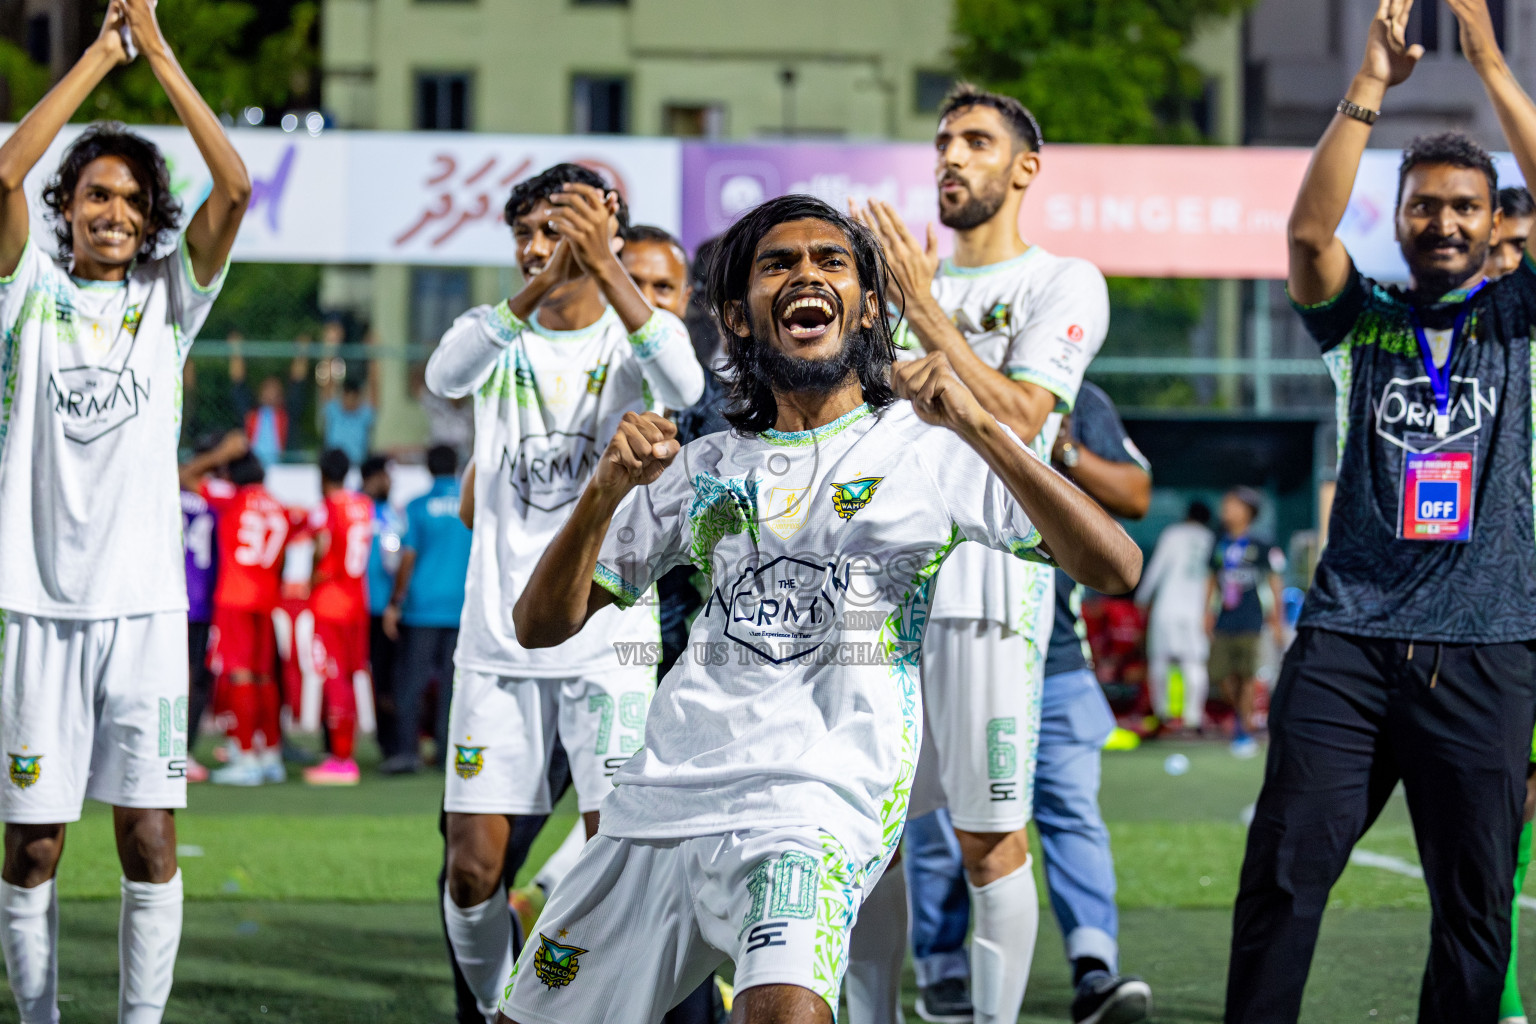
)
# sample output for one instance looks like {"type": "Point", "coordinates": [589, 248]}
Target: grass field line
{"type": "Point", "coordinates": [1399, 866]}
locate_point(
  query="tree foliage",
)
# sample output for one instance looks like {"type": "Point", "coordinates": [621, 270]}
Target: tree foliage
{"type": "Point", "coordinates": [1108, 71]}
{"type": "Point", "coordinates": [236, 53]}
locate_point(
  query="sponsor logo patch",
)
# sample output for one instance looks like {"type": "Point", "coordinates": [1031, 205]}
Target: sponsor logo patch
{"type": "Point", "coordinates": [555, 963]}
{"type": "Point", "coordinates": [467, 761]}
{"type": "Point", "coordinates": [25, 769]}
{"type": "Point", "coordinates": [852, 496]}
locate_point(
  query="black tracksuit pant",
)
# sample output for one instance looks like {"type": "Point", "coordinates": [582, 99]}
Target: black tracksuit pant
{"type": "Point", "coordinates": [1351, 716]}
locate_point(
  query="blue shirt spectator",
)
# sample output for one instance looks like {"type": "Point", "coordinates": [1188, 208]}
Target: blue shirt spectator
{"type": "Point", "coordinates": [348, 424]}
{"type": "Point", "coordinates": [440, 542]}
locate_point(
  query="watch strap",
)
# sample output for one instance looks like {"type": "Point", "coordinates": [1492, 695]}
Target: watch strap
{"type": "Point", "coordinates": [1359, 113]}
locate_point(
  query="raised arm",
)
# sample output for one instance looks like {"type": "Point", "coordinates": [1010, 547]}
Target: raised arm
{"type": "Point", "coordinates": [1023, 405]}
{"type": "Point", "coordinates": [1516, 112]}
{"type": "Point", "coordinates": [658, 339]}
{"type": "Point", "coordinates": [1319, 265]}
{"type": "Point", "coordinates": [192, 471]}
{"type": "Point", "coordinates": [561, 595]}
{"type": "Point", "coordinates": [1078, 535]}
{"type": "Point", "coordinates": [36, 132]}
{"type": "Point", "coordinates": [211, 232]}
{"type": "Point", "coordinates": [467, 352]}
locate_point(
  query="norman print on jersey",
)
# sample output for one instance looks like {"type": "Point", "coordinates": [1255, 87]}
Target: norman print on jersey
{"type": "Point", "coordinates": [93, 401]}
{"type": "Point", "coordinates": [551, 469]}
{"type": "Point", "coordinates": [1407, 407]}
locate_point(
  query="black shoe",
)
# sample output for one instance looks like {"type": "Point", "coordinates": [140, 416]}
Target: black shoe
{"type": "Point", "coordinates": [1104, 998]}
{"type": "Point", "coordinates": [299, 756]}
{"type": "Point", "coordinates": [400, 764]}
{"type": "Point", "coordinates": [946, 1002]}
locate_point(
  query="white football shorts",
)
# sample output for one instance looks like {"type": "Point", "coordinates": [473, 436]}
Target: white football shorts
{"type": "Point", "coordinates": [502, 728]}
{"type": "Point", "coordinates": [92, 708]}
{"type": "Point", "coordinates": [981, 735]}
{"type": "Point", "coordinates": [640, 923]}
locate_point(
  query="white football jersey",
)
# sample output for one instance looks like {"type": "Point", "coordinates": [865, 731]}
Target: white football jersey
{"type": "Point", "coordinates": [90, 415]}
{"type": "Point", "coordinates": [1038, 318]}
{"type": "Point", "coordinates": [546, 405]}
{"type": "Point", "coordinates": [1178, 573]}
{"type": "Point", "coordinates": [797, 700]}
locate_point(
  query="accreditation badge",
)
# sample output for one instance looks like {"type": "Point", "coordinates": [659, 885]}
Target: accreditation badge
{"type": "Point", "coordinates": [1435, 502]}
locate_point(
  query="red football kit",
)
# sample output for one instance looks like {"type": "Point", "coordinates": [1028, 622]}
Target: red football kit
{"type": "Point", "coordinates": [343, 526]}
{"type": "Point", "coordinates": [253, 531]}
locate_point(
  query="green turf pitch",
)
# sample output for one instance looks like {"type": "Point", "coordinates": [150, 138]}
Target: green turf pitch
{"type": "Point", "coordinates": [317, 905]}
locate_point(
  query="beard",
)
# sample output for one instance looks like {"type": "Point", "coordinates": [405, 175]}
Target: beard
{"type": "Point", "coordinates": [981, 206]}
{"type": "Point", "coordinates": [789, 374]}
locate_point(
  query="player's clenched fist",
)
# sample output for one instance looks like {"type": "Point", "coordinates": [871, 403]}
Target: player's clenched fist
{"type": "Point", "coordinates": [643, 447]}
{"type": "Point", "coordinates": [937, 394]}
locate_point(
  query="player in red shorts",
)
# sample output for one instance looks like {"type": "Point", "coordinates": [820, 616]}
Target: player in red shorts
{"type": "Point", "coordinates": [343, 528]}
{"type": "Point", "coordinates": [253, 531]}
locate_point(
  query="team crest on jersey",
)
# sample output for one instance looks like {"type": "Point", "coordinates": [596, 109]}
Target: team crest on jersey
{"type": "Point", "coordinates": [852, 496]}
{"type": "Point", "coordinates": [467, 761]}
{"type": "Point", "coordinates": [556, 964]}
{"type": "Point", "coordinates": [133, 318]}
{"type": "Point", "coordinates": [596, 377]}
{"type": "Point", "coordinates": [996, 317]}
{"type": "Point", "coordinates": [25, 769]}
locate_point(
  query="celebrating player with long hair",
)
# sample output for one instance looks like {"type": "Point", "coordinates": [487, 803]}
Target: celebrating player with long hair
{"type": "Point", "coordinates": [93, 670]}
{"type": "Point", "coordinates": [772, 785]}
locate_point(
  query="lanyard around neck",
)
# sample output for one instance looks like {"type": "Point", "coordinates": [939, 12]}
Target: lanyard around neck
{"type": "Point", "coordinates": [1440, 377]}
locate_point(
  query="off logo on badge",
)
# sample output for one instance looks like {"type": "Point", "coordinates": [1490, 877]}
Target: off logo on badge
{"type": "Point", "coordinates": [1437, 496]}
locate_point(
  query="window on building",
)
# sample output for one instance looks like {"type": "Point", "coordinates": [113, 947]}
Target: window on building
{"type": "Point", "coordinates": [599, 105]}
{"type": "Point", "coordinates": [1424, 25]}
{"type": "Point", "coordinates": [40, 39]}
{"type": "Point", "coordinates": [438, 294]}
{"type": "Point", "coordinates": [693, 121]}
{"type": "Point", "coordinates": [443, 101]}
{"type": "Point", "coordinates": [929, 89]}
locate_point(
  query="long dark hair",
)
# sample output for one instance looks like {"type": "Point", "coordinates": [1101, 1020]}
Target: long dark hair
{"type": "Point", "coordinates": [162, 210]}
{"type": "Point", "coordinates": [753, 406]}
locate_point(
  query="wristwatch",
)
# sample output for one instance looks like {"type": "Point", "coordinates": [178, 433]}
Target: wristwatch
{"type": "Point", "coordinates": [1359, 113]}
{"type": "Point", "coordinates": [1070, 455]}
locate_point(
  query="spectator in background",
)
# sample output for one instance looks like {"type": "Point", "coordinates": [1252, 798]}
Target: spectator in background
{"type": "Point", "coordinates": [1239, 564]}
{"type": "Point", "coordinates": [1519, 212]}
{"type": "Point", "coordinates": [428, 597]}
{"type": "Point", "coordinates": [383, 560]}
{"type": "Point", "coordinates": [278, 405]}
{"type": "Point", "coordinates": [1175, 586]}
{"type": "Point", "coordinates": [346, 422]}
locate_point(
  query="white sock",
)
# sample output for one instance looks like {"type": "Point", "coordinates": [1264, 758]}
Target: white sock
{"type": "Point", "coordinates": [1007, 916]}
{"type": "Point", "coordinates": [876, 950]}
{"type": "Point", "coordinates": [561, 861]}
{"type": "Point", "coordinates": [148, 936]}
{"type": "Point", "coordinates": [29, 931]}
{"type": "Point", "coordinates": [481, 937]}
{"type": "Point", "coordinates": [1157, 685]}
{"type": "Point", "coordinates": [1197, 684]}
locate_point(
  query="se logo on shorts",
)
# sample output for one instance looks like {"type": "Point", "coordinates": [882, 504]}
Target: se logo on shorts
{"type": "Point", "coordinates": [556, 965]}
{"type": "Point", "coordinates": [25, 769]}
